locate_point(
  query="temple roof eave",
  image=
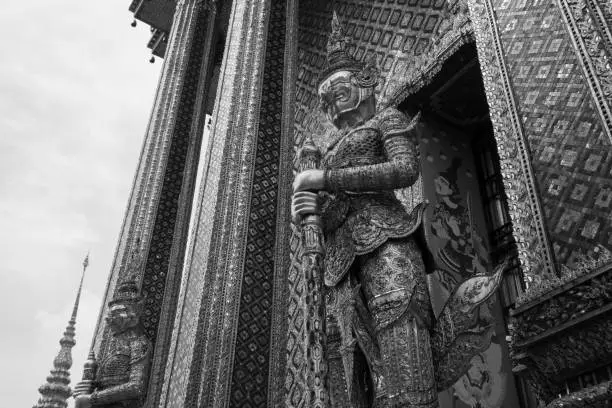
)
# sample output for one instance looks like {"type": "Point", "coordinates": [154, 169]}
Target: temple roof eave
{"type": "Point", "coordinates": [158, 14]}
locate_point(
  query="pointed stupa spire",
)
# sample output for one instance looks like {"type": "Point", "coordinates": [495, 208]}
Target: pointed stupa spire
{"type": "Point", "coordinates": [55, 392]}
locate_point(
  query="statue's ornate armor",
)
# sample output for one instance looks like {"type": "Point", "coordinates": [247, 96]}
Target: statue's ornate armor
{"type": "Point", "coordinates": [362, 169]}
{"type": "Point", "coordinates": [121, 376]}
{"type": "Point", "coordinates": [368, 228]}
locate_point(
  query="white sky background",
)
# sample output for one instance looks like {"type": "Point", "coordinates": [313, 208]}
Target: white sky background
{"type": "Point", "coordinates": [76, 90]}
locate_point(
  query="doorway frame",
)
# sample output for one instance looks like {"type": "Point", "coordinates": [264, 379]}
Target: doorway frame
{"type": "Point", "coordinates": [475, 22]}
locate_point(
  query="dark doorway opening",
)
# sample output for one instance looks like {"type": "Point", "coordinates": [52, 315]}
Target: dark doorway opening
{"type": "Point", "coordinates": [455, 101]}
{"type": "Point", "coordinates": [456, 98]}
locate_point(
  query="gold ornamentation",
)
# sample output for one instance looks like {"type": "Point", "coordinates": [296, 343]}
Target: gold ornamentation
{"type": "Point", "coordinates": [535, 253]}
{"type": "Point", "coordinates": [583, 265]}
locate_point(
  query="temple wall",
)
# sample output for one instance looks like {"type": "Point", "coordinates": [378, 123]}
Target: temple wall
{"type": "Point", "coordinates": [231, 315]}
{"type": "Point", "coordinates": [180, 384]}
{"type": "Point", "coordinates": [157, 215]}
{"type": "Point", "coordinates": [255, 347]}
{"type": "Point", "coordinates": [548, 94]}
{"type": "Point", "coordinates": [565, 125]}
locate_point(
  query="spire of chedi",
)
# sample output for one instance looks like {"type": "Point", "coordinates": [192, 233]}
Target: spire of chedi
{"type": "Point", "coordinates": [55, 391]}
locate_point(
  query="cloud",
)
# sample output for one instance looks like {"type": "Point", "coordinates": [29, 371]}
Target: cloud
{"type": "Point", "coordinates": [76, 90]}
{"type": "Point", "coordinates": [53, 323]}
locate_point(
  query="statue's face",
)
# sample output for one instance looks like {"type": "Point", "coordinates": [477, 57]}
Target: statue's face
{"type": "Point", "coordinates": [339, 95]}
{"type": "Point", "coordinates": [121, 317]}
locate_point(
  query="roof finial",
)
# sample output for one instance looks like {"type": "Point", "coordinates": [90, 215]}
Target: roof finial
{"type": "Point", "coordinates": [78, 297]}
{"type": "Point", "coordinates": [56, 391]}
{"type": "Point", "coordinates": [128, 288]}
{"type": "Point", "coordinates": [338, 57]}
{"type": "Point", "coordinates": [338, 40]}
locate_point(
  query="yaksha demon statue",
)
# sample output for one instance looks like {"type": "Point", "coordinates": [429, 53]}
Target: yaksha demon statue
{"type": "Point", "coordinates": [120, 380]}
{"type": "Point", "coordinates": [372, 252]}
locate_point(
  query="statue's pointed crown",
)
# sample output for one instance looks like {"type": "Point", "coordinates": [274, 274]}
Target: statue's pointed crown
{"type": "Point", "coordinates": [338, 57]}
{"type": "Point", "coordinates": [128, 290]}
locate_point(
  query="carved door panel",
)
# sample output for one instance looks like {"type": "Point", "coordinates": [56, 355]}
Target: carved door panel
{"type": "Point", "coordinates": [457, 237]}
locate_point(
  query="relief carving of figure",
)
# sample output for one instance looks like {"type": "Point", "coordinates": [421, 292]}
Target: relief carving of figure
{"type": "Point", "coordinates": [374, 267]}
{"type": "Point", "coordinates": [120, 379]}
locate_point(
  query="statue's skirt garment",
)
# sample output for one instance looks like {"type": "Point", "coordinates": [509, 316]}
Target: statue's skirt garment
{"type": "Point", "coordinates": [393, 281]}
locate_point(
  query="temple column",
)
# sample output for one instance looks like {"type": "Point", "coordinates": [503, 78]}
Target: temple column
{"type": "Point", "coordinates": [232, 315]}
{"type": "Point", "coordinates": [158, 211]}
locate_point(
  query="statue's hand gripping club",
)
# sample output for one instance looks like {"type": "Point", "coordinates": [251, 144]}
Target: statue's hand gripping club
{"type": "Point", "coordinates": [304, 203]}
{"type": "Point", "coordinates": [305, 187]}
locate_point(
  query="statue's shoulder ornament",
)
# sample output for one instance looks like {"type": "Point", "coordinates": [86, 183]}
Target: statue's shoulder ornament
{"type": "Point", "coordinates": [140, 347]}
{"type": "Point", "coordinates": [391, 122]}
{"type": "Point", "coordinates": [352, 143]}
{"type": "Point", "coordinates": [365, 141]}
{"type": "Point", "coordinates": [368, 127]}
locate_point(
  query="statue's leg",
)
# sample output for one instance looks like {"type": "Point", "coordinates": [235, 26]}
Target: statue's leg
{"type": "Point", "coordinates": [394, 285]}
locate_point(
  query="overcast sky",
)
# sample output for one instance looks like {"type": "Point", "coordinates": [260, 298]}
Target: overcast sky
{"type": "Point", "coordinates": [76, 89]}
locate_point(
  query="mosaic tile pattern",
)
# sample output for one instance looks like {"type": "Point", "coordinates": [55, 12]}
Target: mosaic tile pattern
{"type": "Point", "coordinates": [223, 359]}
{"type": "Point", "coordinates": [528, 226]}
{"type": "Point", "coordinates": [394, 31]}
{"type": "Point", "coordinates": [588, 24]}
{"type": "Point", "coordinates": [154, 278]}
{"type": "Point", "coordinates": [219, 249]}
{"type": "Point", "coordinates": [155, 214]}
{"type": "Point", "coordinates": [251, 358]}
{"type": "Point", "coordinates": [161, 278]}
{"type": "Point", "coordinates": [200, 287]}
{"type": "Point", "coordinates": [282, 253]}
{"type": "Point", "coordinates": [569, 149]}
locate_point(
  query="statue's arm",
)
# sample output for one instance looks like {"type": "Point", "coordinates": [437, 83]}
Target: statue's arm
{"type": "Point", "coordinates": [136, 386]}
{"type": "Point", "coordinates": [400, 170]}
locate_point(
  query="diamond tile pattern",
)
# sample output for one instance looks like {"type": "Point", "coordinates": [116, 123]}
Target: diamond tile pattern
{"type": "Point", "coordinates": [157, 262]}
{"type": "Point", "coordinates": [392, 30]}
{"type": "Point", "coordinates": [249, 385]}
{"type": "Point", "coordinates": [571, 155]}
